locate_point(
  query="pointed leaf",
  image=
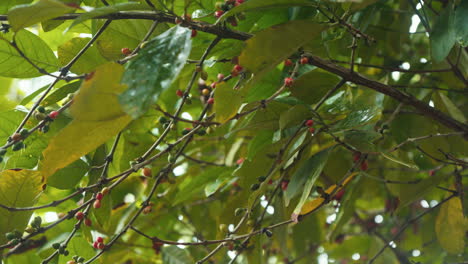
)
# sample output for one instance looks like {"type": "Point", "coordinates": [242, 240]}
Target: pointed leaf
{"type": "Point", "coordinates": [305, 178]}
{"type": "Point", "coordinates": [443, 35]}
{"type": "Point", "coordinates": [154, 69]}
{"type": "Point", "coordinates": [18, 188]}
{"type": "Point", "coordinates": [28, 15]}
{"type": "Point", "coordinates": [450, 226]}
{"type": "Point", "coordinates": [97, 118]}
{"type": "Point", "coordinates": [15, 66]}
{"type": "Point", "coordinates": [175, 255]}
{"type": "Point", "coordinates": [226, 102]}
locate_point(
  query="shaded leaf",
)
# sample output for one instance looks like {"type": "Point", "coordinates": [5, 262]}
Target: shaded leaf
{"type": "Point", "coordinates": [69, 176]}
{"type": "Point", "coordinates": [443, 35]}
{"type": "Point", "coordinates": [87, 62]}
{"type": "Point", "coordinates": [226, 102]}
{"type": "Point", "coordinates": [175, 255]}
{"type": "Point", "coordinates": [451, 226]}
{"type": "Point", "coordinates": [154, 69]}
{"type": "Point", "coordinates": [312, 86]}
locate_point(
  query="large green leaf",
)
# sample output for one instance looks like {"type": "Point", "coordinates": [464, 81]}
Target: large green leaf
{"type": "Point", "coordinates": [35, 49]}
{"type": "Point", "coordinates": [28, 15]}
{"type": "Point", "coordinates": [5, 5]}
{"type": "Point", "coordinates": [461, 20]}
{"type": "Point", "coordinates": [175, 255]}
{"type": "Point", "coordinates": [154, 69]}
{"type": "Point", "coordinates": [227, 102]}
{"type": "Point", "coordinates": [443, 35]}
{"type": "Point", "coordinates": [255, 5]}
{"type": "Point", "coordinates": [18, 188]}
{"type": "Point", "coordinates": [194, 186]}
{"type": "Point", "coordinates": [87, 62]}
{"type": "Point", "coordinates": [451, 226]}
{"type": "Point", "coordinates": [312, 86]}
{"type": "Point", "coordinates": [97, 118]}
{"type": "Point", "coordinates": [69, 176]}
{"type": "Point", "coordinates": [304, 179]}
{"type": "Point", "coordinates": [105, 10]}
{"type": "Point", "coordinates": [271, 46]}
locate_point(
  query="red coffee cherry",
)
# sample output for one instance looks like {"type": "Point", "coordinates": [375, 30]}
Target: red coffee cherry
{"type": "Point", "coordinates": [99, 196]}
{"type": "Point", "coordinates": [146, 172]}
{"type": "Point", "coordinates": [339, 195]}
{"type": "Point", "coordinates": [304, 60]}
{"type": "Point", "coordinates": [288, 82]}
{"type": "Point", "coordinates": [220, 76]}
{"type": "Point", "coordinates": [364, 166]}
{"type": "Point", "coordinates": [238, 68]}
{"type": "Point", "coordinates": [97, 204]}
{"type": "Point", "coordinates": [288, 63]}
{"type": "Point", "coordinates": [284, 184]}
{"type": "Point", "coordinates": [219, 13]}
{"type": "Point", "coordinates": [194, 33]}
{"type": "Point", "coordinates": [87, 222]}
{"type": "Point", "coordinates": [311, 130]}
{"type": "Point", "coordinates": [179, 93]}
{"type": "Point", "coordinates": [100, 240]}
{"type": "Point", "coordinates": [79, 215]}
{"type": "Point", "coordinates": [53, 114]}
{"type": "Point", "coordinates": [126, 51]}
{"type": "Point", "coordinates": [210, 101]}
{"type": "Point", "coordinates": [309, 123]}
{"type": "Point", "coordinates": [356, 156]}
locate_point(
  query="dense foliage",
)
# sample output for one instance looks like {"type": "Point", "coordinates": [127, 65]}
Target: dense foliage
{"type": "Point", "coordinates": [256, 131]}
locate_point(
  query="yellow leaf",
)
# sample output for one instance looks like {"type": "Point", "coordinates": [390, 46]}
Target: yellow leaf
{"type": "Point", "coordinates": [97, 115]}
{"type": "Point", "coordinates": [450, 226]}
{"type": "Point", "coordinates": [317, 202]}
{"type": "Point", "coordinates": [18, 188]}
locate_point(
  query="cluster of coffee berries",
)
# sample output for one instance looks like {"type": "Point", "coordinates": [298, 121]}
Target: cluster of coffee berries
{"type": "Point", "coordinates": [99, 196]}
{"type": "Point", "coordinates": [363, 165]}
{"type": "Point", "coordinates": [226, 6]}
{"type": "Point", "coordinates": [288, 81]}
{"type": "Point", "coordinates": [80, 215]}
{"type": "Point", "coordinates": [62, 249]}
{"type": "Point", "coordinates": [310, 123]}
{"type": "Point", "coordinates": [76, 259]}
{"type": "Point", "coordinates": [13, 237]}
{"type": "Point", "coordinates": [99, 243]}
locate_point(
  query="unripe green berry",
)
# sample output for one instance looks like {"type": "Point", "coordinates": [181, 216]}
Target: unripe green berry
{"type": "Point", "coordinates": [10, 236]}
{"type": "Point", "coordinates": [163, 120]}
{"type": "Point", "coordinates": [14, 242]}
{"type": "Point", "coordinates": [201, 132]}
{"type": "Point", "coordinates": [41, 109]}
{"type": "Point", "coordinates": [261, 178]}
{"type": "Point", "coordinates": [254, 187]}
{"type": "Point", "coordinates": [56, 245]}
{"type": "Point", "coordinates": [3, 152]}
{"type": "Point", "coordinates": [24, 132]}
{"type": "Point", "coordinates": [17, 146]}
{"type": "Point", "coordinates": [45, 129]}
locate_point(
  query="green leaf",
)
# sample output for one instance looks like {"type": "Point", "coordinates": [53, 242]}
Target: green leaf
{"type": "Point", "coordinates": [294, 116]}
{"type": "Point", "coordinates": [106, 10]}
{"type": "Point", "coordinates": [28, 15]}
{"type": "Point", "coordinates": [89, 61]}
{"type": "Point", "coordinates": [269, 47]}
{"type": "Point", "coordinates": [226, 102]}
{"type": "Point", "coordinates": [361, 139]}
{"type": "Point", "coordinates": [443, 35]}
{"type": "Point", "coordinates": [61, 93]}
{"type": "Point", "coordinates": [255, 5]}
{"type": "Point", "coordinates": [312, 86]}
{"type": "Point", "coordinates": [451, 226]}
{"type": "Point", "coordinates": [409, 193]}
{"type": "Point", "coordinates": [461, 20]}
{"type": "Point", "coordinates": [97, 118]}
{"type": "Point", "coordinates": [19, 188]}
{"type": "Point", "coordinates": [154, 69]}
{"type": "Point", "coordinates": [69, 176]}
{"type": "Point", "coordinates": [5, 5]}
{"type": "Point", "coordinates": [194, 186]}
{"type": "Point", "coordinates": [451, 108]}
{"type": "Point", "coordinates": [304, 179]}
{"type": "Point", "coordinates": [15, 66]}
{"type": "Point", "coordinates": [175, 255]}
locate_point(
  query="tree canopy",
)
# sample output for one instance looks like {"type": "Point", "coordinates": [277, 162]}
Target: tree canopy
{"type": "Point", "coordinates": [240, 131]}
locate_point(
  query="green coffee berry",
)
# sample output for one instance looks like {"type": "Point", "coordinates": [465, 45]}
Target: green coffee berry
{"type": "Point", "coordinates": [17, 146]}
{"type": "Point", "coordinates": [254, 187]}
